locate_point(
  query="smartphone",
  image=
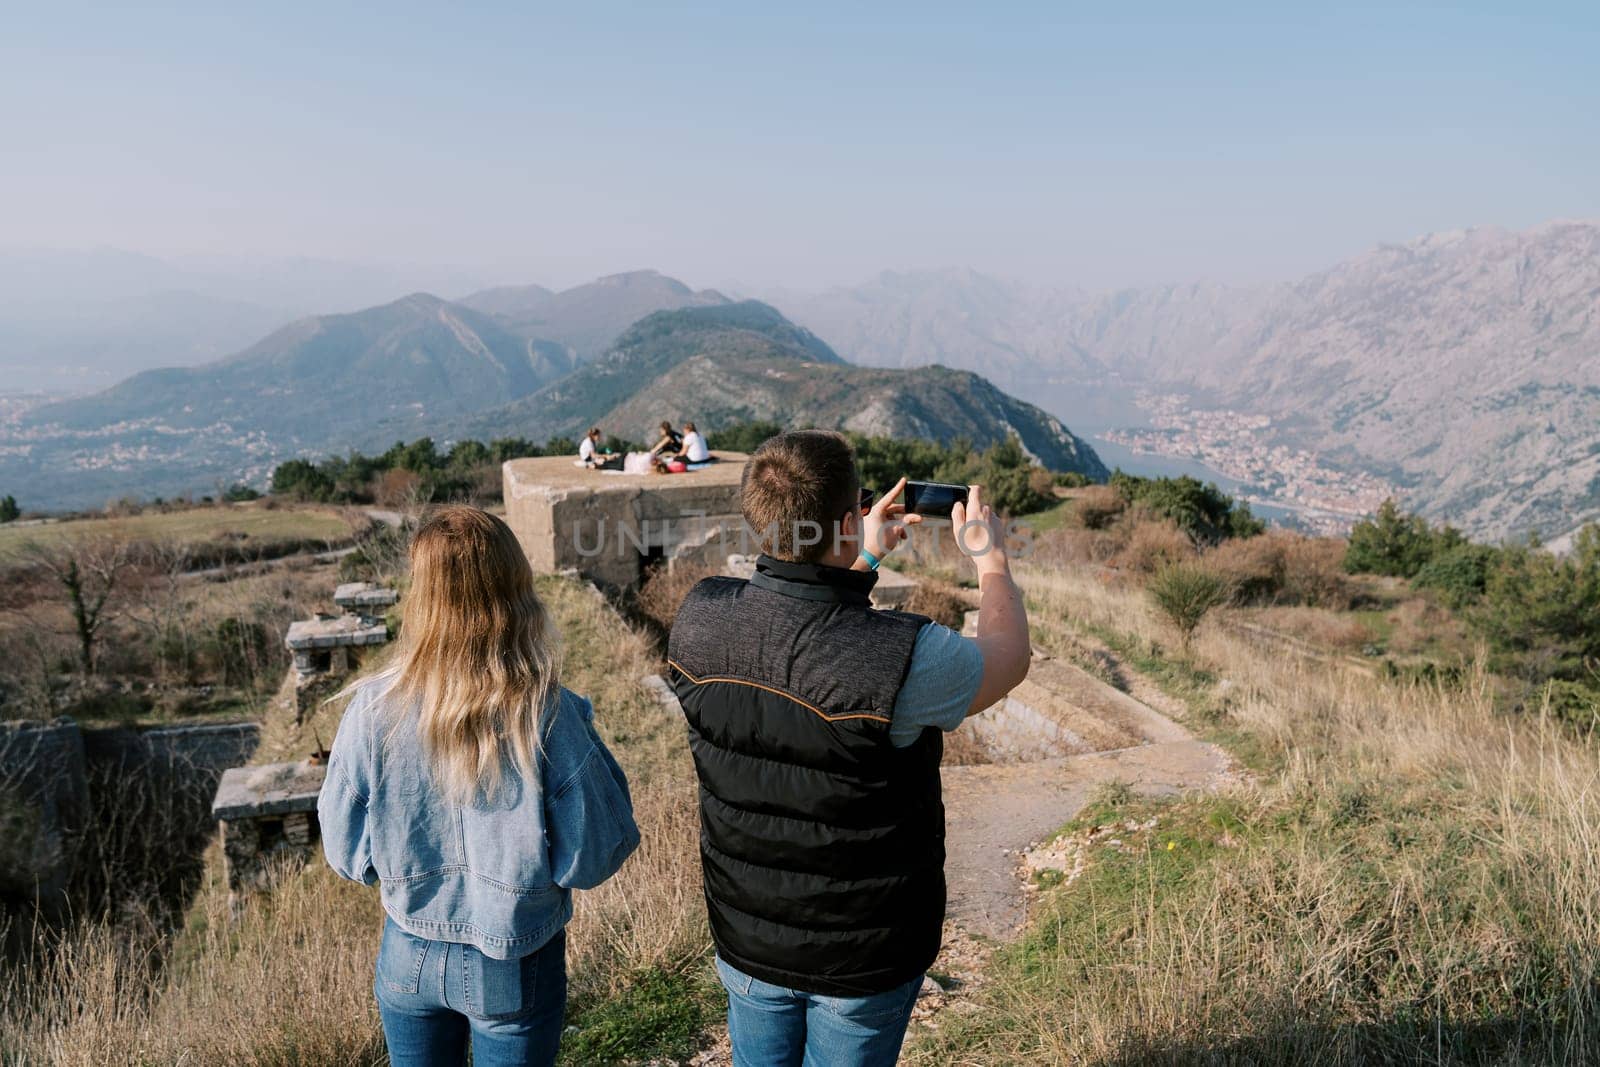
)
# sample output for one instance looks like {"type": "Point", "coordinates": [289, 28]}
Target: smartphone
{"type": "Point", "coordinates": [934, 499]}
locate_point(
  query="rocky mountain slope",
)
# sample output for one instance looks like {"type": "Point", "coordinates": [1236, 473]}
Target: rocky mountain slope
{"type": "Point", "coordinates": [1463, 366]}
{"type": "Point", "coordinates": [744, 361]}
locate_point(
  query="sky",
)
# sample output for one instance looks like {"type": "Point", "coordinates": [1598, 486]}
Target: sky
{"type": "Point", "coordinates": [795, 145]}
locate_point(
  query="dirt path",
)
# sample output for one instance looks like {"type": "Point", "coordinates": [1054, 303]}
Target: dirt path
{"type": "Point", "coordinates": [993, 813]}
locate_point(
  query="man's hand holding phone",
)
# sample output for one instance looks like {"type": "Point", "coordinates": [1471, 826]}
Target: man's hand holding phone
{"type": "Point", "coordinates": [980, 533]}
{"type": "Point", "coordinates": [883, 526]}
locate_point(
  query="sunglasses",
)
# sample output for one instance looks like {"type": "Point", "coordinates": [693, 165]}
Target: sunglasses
{"type": "Point", "coordinates": [866, 500]}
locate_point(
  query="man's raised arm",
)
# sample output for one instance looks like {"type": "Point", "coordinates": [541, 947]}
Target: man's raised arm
{"type": "Point", "coordinates": [1002, 619]}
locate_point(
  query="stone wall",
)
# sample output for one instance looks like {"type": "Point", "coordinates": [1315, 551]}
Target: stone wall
{"type": "Point", "coordinates": [48, 777]}
{"type": "Point", "coordinates": [44, 800]}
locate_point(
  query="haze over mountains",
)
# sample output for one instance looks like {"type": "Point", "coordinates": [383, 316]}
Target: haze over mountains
{"type": "Point", "coordinates": [73, 320]}
{"type": "Point", "coordinates": [531, 367]}
{"type": "Point", "coordinates": [1463, 366]}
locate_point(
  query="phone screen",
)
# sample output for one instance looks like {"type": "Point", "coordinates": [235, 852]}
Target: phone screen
{"type": "Point", "coordinates": [933, 498]}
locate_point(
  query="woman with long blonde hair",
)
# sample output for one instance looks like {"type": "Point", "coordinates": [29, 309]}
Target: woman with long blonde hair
{"type": "Point", "coordinates": [473, 789]}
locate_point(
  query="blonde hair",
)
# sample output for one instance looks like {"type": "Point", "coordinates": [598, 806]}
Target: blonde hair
{"type": "Point", "coordinates": [477, 656]}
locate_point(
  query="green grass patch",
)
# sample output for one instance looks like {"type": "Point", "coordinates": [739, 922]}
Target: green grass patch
{"type": "Point", "coordinates": [1051, 518]}
{"type": "Point", "coordinates": [1196, 940]}
{"type": "Point", "coordinates": [660, 1017]}
{"type": "Point", "coordinates": [230, 523]}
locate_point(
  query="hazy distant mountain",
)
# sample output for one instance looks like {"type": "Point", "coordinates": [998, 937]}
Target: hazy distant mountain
{"type": "Point", "coordinates": [1465, 366]}
{"type": "Point", "coordinates": [77, 320]}
{"type": "Point", "coordinates": [77, 344]}
{"type": "Point", "coordinates": [318, 384]}
{"type": "Point", "coordinates": [738, 362]}
{"type": "Point", "coordinates": [588, 319]}
{"type": "Point", "coordinates": [958, 318]}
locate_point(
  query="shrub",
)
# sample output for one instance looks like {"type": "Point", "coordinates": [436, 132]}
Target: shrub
{"type": "Point", "coordinates": [1396, 544]}
{"type": "Point", "coordinates": [9, 511]}
{"type": "Point", "coordinates": [1204, 512]}
{"type": "Point", "coordinates": [1184, 594]}
{"type": "Point", "coordinates": [1459, 575]}
{"type": "Point", "coordinates": [398, 487]}
{"type": "Point", "coordinates": [663, 589]}
{"type": "Point", "coordinates": [379, 556]}
{"type": "Point", "coordinates": [1098, 506]}
{"type": "Point", "coordinates": [1254, 569]}
{"type": "Point", "coordinates": [238, 493]}
{"type": "Point", "coordinates": [1571, 702]}
{"type": "Point", "coordinates": [1283, 567]}
{"type": "Point", "coordinates": [1071, 545]}
{"type": "Point", "coordinates": [303, 480]}
{"type": "Point", "coordinates": [1541, 612]}
{"type": "Point", "coordinates": [745, 437]}
{"type": "Point", "coordinates": [1314, 573]}
{"type": "Point", "coordinates": [1153, 545]}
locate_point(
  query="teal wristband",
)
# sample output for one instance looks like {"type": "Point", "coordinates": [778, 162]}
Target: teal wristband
{"type": "Point", "coordinates": [872, 561]}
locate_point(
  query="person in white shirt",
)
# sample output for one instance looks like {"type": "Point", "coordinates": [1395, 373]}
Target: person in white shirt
{"type": "Point", "coordinates": [694, 446]}
{"type": "Point", "coordinates": [589, 453]}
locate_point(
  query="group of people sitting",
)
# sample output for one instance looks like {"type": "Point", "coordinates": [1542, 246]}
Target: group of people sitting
{"type": "Point", "coordinates": [674, 453]}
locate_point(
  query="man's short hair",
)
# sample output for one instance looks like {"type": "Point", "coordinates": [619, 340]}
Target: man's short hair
{"type": "Point", "coordinates": [796, 487]}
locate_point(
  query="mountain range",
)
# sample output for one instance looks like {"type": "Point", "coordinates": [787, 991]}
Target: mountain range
{"type": "Point", "coordinates": [71, 320]}
{"type": "Point", "coordinates": [738, 362]}
{"type": "Point", "coordinates": [422, 365]}
{"type": "Point", "coordinates": [1464, 367]}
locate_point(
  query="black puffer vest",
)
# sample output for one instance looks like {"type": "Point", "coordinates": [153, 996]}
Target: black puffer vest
{"type": "Point", "coordinates": [822, 843]}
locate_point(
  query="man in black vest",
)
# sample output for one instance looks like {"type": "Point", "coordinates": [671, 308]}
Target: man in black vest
{"type": "Point", "coordinates": [816, 726]}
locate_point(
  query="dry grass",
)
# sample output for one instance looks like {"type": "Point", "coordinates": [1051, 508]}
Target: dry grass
{"type": "Point", "coordinates": [663, 590]}
{"type": "Point", "coordinates": [1413, 880]}
{"type": "Point", "coordinates": [1332, 630]}
{"type": "Point", "coordinates": [939, 601]}
{"type": "Point", "coordinates": [288, 979]}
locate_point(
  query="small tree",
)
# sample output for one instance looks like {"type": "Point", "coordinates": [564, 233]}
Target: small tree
{"type": "Point", "coordinates": [1185, 593]}
{"type": "Point", "coordinates": [8, 508]}
{"type": "Point", "coordinates": [88, 573]}
{"type": "Point", "coordinates": [1394, 543]}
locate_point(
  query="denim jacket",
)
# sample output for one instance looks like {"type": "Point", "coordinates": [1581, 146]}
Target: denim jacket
{"type": "Point", "coordinates": [495, 875]}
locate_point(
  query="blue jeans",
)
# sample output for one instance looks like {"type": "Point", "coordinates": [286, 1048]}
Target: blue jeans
{"type": "Point", "coordinates": [770, 1026]}
{"type": "Point", "coordinates": [435, 997]}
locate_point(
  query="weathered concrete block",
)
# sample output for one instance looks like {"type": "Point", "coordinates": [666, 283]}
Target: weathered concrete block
{"type": "Point", "coordinates": [269, 821]}
{"type": "Point", "coordinates": [268, 789]}
{"type": "Point", "coordinates": [659, 688]}
{"type": "Point", "coordinates": [364, 598]}
{"type": "Point", "coordinates": [606, 526]}
{"type": "Point", "coordinates": [893, 589]}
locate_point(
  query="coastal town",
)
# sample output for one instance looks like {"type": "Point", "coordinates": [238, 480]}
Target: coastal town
{"type": "Point", "coordinates": [1248, 448]}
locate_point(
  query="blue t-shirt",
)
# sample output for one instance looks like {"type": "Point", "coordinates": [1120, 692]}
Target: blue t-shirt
{"type": "Point", "coordinates": [946, 669]}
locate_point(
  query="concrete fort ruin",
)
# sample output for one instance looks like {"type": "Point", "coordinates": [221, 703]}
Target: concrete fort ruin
{"type": "Point", "coordinates": [268, 811]}
{"type": "Point", "coordinates": [327, 648]}
{"type": "Point", "coordinates": [610, 527]}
